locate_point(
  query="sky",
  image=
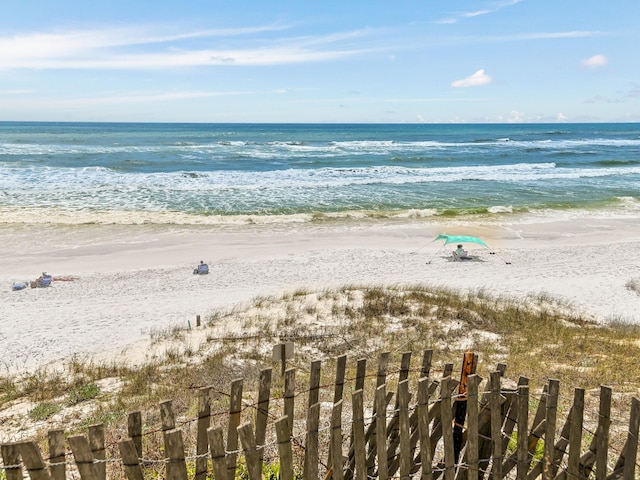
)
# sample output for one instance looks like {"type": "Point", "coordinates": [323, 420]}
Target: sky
{"type": "Point", "coordinates": [336, 61]}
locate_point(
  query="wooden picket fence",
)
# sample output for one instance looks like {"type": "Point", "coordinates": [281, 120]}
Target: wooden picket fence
{"type": "Point", "coordinates": [447, 428]}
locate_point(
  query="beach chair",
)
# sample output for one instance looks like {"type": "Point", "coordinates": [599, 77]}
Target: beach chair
{"type": "Point", "coordinates": [457, 257]}
{"type": "Point", "coordinates": [202, 269]}
{"type": "Point", "coordinates": [44, 280]}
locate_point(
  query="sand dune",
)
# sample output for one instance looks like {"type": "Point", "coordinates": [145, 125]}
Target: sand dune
{"type": "Point", "coordinates": [123, 282]}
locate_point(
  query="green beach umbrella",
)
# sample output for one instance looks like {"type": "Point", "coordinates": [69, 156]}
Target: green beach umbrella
{"type": "Point", "coordinates": [460, 239]}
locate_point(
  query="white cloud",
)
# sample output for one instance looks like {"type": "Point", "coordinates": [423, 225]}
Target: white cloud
{"type": "Point", "coordinates": [516, 117]}
{"type": "Point", "coordinates": [146, 48]}
{"type": "Point", "coordinates": [596, 61]}
{"type": "Point", "coordinates": [561, 117]}
{"type": "Point", "coordinates": [478, 78]}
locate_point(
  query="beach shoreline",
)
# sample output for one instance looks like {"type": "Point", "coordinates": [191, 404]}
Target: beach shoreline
{"type": "Point", "coordinates": [126, 281]}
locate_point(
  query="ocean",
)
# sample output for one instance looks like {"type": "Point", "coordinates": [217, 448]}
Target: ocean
{"type": "Point", "coordinates": [230, 174]}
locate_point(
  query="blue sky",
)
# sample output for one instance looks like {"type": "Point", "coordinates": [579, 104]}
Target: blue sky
{"type": "Point", "coordinates": [333, 61]}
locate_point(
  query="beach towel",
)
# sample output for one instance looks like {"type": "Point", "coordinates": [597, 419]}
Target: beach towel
{"type": "Point", "coordinates": [20, 285]}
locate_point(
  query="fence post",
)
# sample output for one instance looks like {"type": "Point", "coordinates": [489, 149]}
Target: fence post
{"type": "Point", "coordinates": [406, 455]}
{"type": "Point", "coordinates": [248, 440]}
{"type": "Point", "coordinates": [381, 431]}
{"type": "Point", "coordinates": [218, 459]}
{"type": "Point", "coordinates": [57, 460]}
{"type": "Point", "coordinates": [262, 414]}
{"type": "Point", "coordinates": [336, 441]}
{"type": "Point", "coordinates": [167, 416]}
{"type": "Point", "coordinates": [311, 454]}
{"type": "Point", "coordinates": [134, 430]}
{"type": "Point", "coordinates": [32, 459]}
{"type": "Point", "coordinates": [314, 383]}
{"type": "Point", "coordinates": [446, 420]}
{"type": "Point", "coordinates": [130, 460]}
{"type": "Point", "coordinates": [289, 396]}
{"type": "Point", "coordinates": [473, 386]}
{"type": "Point", "coordinates": [496, 425]}
{"type": "Point", "coordinates": [423, 428]}
{"type": "Point", "coordinates": [174, 448]}
{"type": "Point", "coordinates": [83, 457]}
{"type": "Point", "coordinates": [11, 461]}
{"type": "Point", "coordinates": [548, 468]}
{"type": "Point", "coordinates": [361, 373]}
{"type": "Point", "coordinates": [575, 434]}
{"type": "Point", "coordinates": [359, 446]}
{"type": "Point", "coordinates": [523, 431]}
{"type": "Point", "coordinates": [284, 448]}
{"type": "Point", "coordinates": [96, 443]}
{"type": "Point", "coordinates": [235, 409]}
{"type": "Point", "coordinates": [341, 367]}
{"type": "Point", "coordinates": [202, 442]}
{"type": "Point", "coordinates": [631, 447]}
{"type": "Point", "coordinates": [469, 362]}
{"type": "Point", "coordinates": [602, 433]}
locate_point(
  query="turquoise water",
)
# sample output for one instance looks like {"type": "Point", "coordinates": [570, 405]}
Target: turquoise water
{"type": "Point", "coordinates": [219, 173]}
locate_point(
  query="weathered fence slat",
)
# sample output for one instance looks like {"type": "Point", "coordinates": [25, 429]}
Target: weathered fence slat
{"type": "Point", "coordinates": [423, 428]}
{"type": "Point", "coordinates": [34, 463]}
{"type": "Point", "coordinates": [336, 441]}
{"type": "Point", "coordinates": [167, 416]}
{"type": "Point", "coordinates": [130, 460]}
{"type": "Point", "coordinates": [289, 396]}
{"type": "Point", "coordinates": [471, 450]}
{"type": "Point", "coordinates": [446, 416]}
{"type": "Point", "coordinates": [262, 413]}
{"type": "Point", "coordinates": [202, 442]}
{"type": "Point", "coordinates": [575, 433]}
{"type": "Point", "coordinates": [248, 441]}
{"type": "Point", "coordinates": [57, 459]}
{"type": "Point", "coordinates": [284, 449]}
{"type": "Point", "coordinates": [314, 382]}
{"type": "Point", "coordinates": [134, 430]}
{"type": "Point", "coordinates": [95, 434]}
{"type": "Point", "coordinates": [216, 448]}
{"type": "Point", "coordinates": [83, 457]}
{"type": "Point", "coordinates": [235, 409]}
{"type": "Point", "coordinates": [602, 433]}
{"type": "Point", "coordinates": [381, 432]}
{"type": "Point", "coordinates": [361, 373]}
{"type": "Point", "coordinates": [548, 470]}
{"type": "Point", "coordinates": [496, 426]}
{"type": "Point", "coordinates": [523, 432]}
{"type": "Point", "coordinates": [631, 447]}
{"type": "Point", "coordinates": [406, 454]}
{"type": "Point", "coordinates": [11, 461]}
{"type": "Point", "coordinates": [341, 369]}
{"type": "Point", "coordinates": [174, 447]}
{"type": "Point", "coordinates": [359, 446]}
{"type": "Point", "coordinates": [311, 454]}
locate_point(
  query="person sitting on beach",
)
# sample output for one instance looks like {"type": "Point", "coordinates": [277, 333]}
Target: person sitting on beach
{"type": "Point", "coordinates": [461, 253]}
{"type": "Point", "coordinates": [201, 269]}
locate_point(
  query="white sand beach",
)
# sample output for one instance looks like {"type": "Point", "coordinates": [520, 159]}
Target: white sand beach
{"type": "Point", "coordinates": [117, 283]}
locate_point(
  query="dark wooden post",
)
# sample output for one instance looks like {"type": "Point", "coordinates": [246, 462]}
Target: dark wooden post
{"type": "Point", "coordinates": [423, 428]}
{"type": "Point", "coordinates": [381, 431]}
{"type": "Point", "coordinates": [289, 396]}
{"type": "Point", "coordinates": [406, 455]}
{"type": "Point", "coordinates": [336, 441]}
{"type": "Point", "coordinates": [473, 386]}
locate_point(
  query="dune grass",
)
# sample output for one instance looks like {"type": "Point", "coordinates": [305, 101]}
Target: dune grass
{"type": "Point", "coordinates": [536, 337]}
